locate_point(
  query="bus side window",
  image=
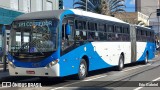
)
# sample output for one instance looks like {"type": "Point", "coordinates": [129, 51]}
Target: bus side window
{"type": "Point", "coordinates": [67, 39]}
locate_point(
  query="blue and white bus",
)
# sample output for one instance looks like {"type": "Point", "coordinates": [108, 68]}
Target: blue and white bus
{"type": "Point", "coordinates": [65, 42]}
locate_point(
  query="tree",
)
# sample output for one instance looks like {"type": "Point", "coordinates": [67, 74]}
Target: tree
{"type": "Point", "coordinates": [106, 7]}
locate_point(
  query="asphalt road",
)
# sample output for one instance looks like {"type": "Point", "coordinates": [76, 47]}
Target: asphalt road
{"type": "Point", "coordinates": [133, 77]}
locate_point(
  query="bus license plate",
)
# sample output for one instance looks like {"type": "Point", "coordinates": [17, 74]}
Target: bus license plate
{"type": "Point", "coordinates": [30, 72]}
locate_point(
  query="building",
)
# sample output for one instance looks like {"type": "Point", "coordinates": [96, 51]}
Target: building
{"type": "Point", "coordinates": [149, 7]}
{"type": "Point", "coordinates": [9, 9]}
{"type": "Point", "coordinates": [133, 18]}
{"type": "Point", "coordinates": [146, 6]}
{"type": "Point", "coordinates": [27, 6]}
{"type": "Point", "coordinates": [130, 17]}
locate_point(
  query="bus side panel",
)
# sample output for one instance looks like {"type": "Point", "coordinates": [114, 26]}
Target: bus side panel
{"type": "Point", "coordinates": [69, 63]}
{"type": "Point", "coordinates": [142, 48]}
{"type": "Point", "coordinates": [151, 50]}
{"type": "Point", "coordinates": [110, 51]}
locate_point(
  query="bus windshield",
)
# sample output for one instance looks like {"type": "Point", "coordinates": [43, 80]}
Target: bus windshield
{"type": "Point", "coordinates": [34, 39]}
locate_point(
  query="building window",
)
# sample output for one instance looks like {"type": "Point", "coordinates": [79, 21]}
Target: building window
{"type": "Point", "coordinates": [39, 5]}
{"type": "Point", "coordinates": [8, 33]}
{"type": "Point", "coordinates": [7, 38]}
{"type": "Point", "coordinates": [27, 6]}
{"type": "Point", "coordinates": [49, 5]}
{"type": "Point", "coordinates": [14, 4]}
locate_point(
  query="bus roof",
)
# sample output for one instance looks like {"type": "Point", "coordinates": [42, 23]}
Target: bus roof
{"type": "Point", "coordinates": [97, 16]}
{"type": "Point", "coordinates": [142, 27]}
{"type": "Point", "coordinates": [57, 13]}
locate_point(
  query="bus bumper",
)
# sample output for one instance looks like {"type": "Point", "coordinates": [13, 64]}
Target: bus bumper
{"type": "Point", "coordinates": [42, 71]}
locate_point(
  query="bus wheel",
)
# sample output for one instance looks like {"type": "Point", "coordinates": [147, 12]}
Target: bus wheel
{"type": "Point", "coordinates": [146, 59]}
{"type": "Point", "coordinates": [82, 70]}
{"type": "Point", "coordinates": [121, 63]}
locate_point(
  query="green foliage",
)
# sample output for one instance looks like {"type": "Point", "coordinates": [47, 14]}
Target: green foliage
{"type": "Point", "coordinates": [106, 7]}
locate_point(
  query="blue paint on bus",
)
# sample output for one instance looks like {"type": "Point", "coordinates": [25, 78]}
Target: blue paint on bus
{"type": "Point", "coordinates": [150, 48]}
{"type": "Point", "coordinates": [42, 63]}
{"type": "Point", "coordinates": [69, 63]}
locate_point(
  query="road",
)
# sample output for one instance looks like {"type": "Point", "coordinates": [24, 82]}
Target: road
{"type": "Point", "coordinates": [130, 78]}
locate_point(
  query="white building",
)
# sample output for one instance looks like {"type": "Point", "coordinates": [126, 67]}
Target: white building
{"type": "Point", "coordinates": [27, 6]}
{"type": "Point", "coordinates": [149, 7]}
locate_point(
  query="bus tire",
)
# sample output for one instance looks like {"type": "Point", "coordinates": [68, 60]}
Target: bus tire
{"type": "Point", "coordinates": [82, 72]}
{"type": "Point", "coordinates": [121, 63]}
{"type": "Point", "coordinates": [146, 59]}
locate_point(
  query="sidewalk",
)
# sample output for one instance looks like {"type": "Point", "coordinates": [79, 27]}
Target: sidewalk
{"type": "Point", "coordinates": [2, 65]}
{"type": "Point", "coordinates": [2, 73]}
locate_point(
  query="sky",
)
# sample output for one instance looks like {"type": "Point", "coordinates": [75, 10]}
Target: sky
{"type": "Point", "coordinates": [130, 5]}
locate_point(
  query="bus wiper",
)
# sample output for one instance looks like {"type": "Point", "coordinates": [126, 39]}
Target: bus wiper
{"type": "Point", "coordinates": [18, 51]}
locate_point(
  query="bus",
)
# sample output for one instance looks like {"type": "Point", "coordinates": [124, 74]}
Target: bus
{"type": "Point", "coordinates": [60, 43]}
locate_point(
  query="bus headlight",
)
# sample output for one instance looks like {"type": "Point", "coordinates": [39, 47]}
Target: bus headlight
{"type": "Point", "coordinates": [11, 64]}
{"type": "Point", "coordinates": [53, 63]}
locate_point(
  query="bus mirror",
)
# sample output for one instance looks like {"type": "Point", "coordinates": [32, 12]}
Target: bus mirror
{"type": "Point", "coordinates": [68, 29]}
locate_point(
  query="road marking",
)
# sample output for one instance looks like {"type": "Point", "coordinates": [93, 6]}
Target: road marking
{"type": "Point", "coordinates": [97, 77]}
{"type": "Point", "coordinates": [66, 85]}
{"type": "Point", "coordinates": [135, 68]}
{"type": "Point", "coordinates": [148, 82]}
{"type": "Point", "coordinates": [156, 79]}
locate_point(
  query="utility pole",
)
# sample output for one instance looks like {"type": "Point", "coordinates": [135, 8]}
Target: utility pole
{"type": "Point", "coordinates": [4, 48]}
{"type": "Point", "coordinates": [158, 21]}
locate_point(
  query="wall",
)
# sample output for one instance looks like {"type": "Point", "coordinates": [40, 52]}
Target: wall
{"type": "Point", "coordinates": [5, 3]}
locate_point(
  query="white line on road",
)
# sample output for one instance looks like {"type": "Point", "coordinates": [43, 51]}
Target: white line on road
{"type": "Point", "coordinates": [97, 77]}
{"type": "Point", "coordinates": [135, 68]}
{"type": "Point", "coordinates": [148, 82]}
{"type": "Point", "coordinates": [156, 79]}
{"type": "Point", "coordinates": [66, 85]}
